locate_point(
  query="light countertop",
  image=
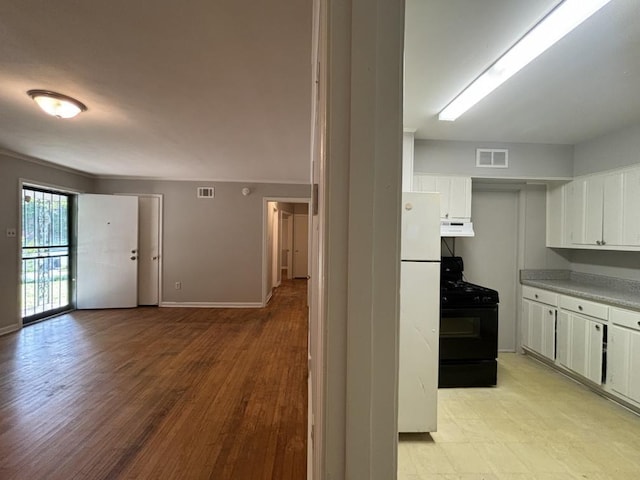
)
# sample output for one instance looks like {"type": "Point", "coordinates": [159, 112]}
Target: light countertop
{"type": "Point", "coordinates": [598, 288]}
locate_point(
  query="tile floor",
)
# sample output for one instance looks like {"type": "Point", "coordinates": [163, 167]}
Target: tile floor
{"type": "Point", "coordinates": [536, 424]}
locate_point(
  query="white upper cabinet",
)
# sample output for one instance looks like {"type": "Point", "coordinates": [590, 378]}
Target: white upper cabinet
{"type": "Point", "coordinates": [597, 211]}
{"type": "Point", "coordinates": [575, 212]}
{"type": "Point", "coordinates": [455, 194]}
{"type": "Point", "coordinates": [631, 207]}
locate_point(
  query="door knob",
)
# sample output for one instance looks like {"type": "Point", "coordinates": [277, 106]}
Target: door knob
{"type": "Point", "coordinates": [133, 257]}
{"type": "Point", "coordinates": [133, 251]}
{"type": "Point", "coordinates": [154, 258]}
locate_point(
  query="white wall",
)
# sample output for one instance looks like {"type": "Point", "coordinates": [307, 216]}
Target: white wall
{"type": "Point", "coordinates": [610, 264]}
{"type": "Point", "coordinates": [213, 247]}
{"type": "Point", "coordinates": [490, 258]}
{"type": "Point", "coordinates": [526, 161]}
{"type": "Point", "coordinates": [614, 150]}
{"type": "Point", "coordinates": [509, 222]}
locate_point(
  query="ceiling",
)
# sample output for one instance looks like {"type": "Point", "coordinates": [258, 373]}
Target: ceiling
{"type": "Point", "coordinates": [217, 90]}
{"type": "Point", "coordinates": [222, 90]}
{"type": "Point", "coordinates": [586, 85]}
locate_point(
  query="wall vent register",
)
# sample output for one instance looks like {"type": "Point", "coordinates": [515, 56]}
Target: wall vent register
{"type": "Point", "coordinates": [206, 192]}
{"type": "Point", "coordinates": [492, 158]}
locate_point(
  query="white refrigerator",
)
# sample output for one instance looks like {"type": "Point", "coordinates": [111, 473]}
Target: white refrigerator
{"type": "Point", "coordinates": [419, 312]}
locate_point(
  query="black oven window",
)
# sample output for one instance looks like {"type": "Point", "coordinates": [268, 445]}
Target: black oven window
{"type": "Point", "coordinates": [460, 327]}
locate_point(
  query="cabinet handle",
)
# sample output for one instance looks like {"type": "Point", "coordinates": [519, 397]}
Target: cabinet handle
{"type": "Point", "coordinates": [598, 327]}
{"type": "Point", "coordinates": [536, 295]}
{"type": "Point", "coordinates": [580, 307]}
{"type": "Point", "coordinates": [603, 242]}
{"type": "Point", "coordinates": [598, 242]}
{"type": "Point", "coordinates": [550, 312]}
{"type": "Point", "coordinates": [639, 323]}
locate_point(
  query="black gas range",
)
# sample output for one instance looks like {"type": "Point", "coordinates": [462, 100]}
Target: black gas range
{"type": "Point", "coordinates": [468, 329]}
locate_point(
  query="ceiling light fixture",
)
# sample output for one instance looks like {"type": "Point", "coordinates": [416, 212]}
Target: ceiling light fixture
{"type": "Point", "coordinates": [56, 104]}
{"type": "Point", "coordinates": [560, 21]}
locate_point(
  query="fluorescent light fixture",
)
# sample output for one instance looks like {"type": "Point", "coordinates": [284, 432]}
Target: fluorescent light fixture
{"type": "Point", "coordinates": [560, 21]}
{"type": "Point", "coordinates": [56, 104]}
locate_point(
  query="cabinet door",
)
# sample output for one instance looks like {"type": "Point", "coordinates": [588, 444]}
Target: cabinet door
{"type": "Point", "coordinates": [535, 326]}
{"type": "Point", "coordinates": [585, 347]}
{"type": "Point", "coordinates": [618, 359]}
{"type": "Point", "coordinates": [594, 352]}
{"type": "Point", "coordinates": [631, 212]}
{"type": "Point", "coordinates": [539, 328]}
{"type": "Point", "coordinates": [443, 185]}
{"type": "Point", "coordinates": [549, 332]}
{"type": "Point", "coordinates": [460, 198]}
{"type": "Point", "coordinates": [575, 205]}
{"type": "Point", "coordinates": [556, 218]}
{"type": "Point", "coordinates": [612, 209]}
{"type": "Point", "coordinates": [424, 183]}
{"type": "Point", "coordinates": [634, 365]}
{"type": "Point", "coordinates": [594, 187]}
{"type": "Point", "coordinates": [564, 338]}
{"type": "Point", "coordinates": [579, 345]}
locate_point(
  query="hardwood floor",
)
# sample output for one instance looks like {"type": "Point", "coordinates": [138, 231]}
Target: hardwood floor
{"type": "Point", "coordinates": [154, 393]}
{"type": "Point", "coordinates": [535, 425]}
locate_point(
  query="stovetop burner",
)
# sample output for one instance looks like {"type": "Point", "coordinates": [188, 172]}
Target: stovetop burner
{"type": "Point", "coordinates": [458, 293]}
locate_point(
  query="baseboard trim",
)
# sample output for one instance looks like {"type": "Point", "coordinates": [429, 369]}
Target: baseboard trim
{"type": "Point", "coordinates": [10, 329]}
{"type": "Point", "coordinates": [210, 304]}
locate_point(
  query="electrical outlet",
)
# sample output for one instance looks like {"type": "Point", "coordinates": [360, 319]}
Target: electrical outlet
{"type": "Point", "coordinates": [178, 285]}
{"type": "Point", "coordinates": [11, 232]}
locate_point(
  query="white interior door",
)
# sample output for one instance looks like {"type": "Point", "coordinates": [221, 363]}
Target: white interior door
{"type": "Point", "coordinates": [300, 245]}
{"type": "Point", "coordinates": [107, 267]}
{"type": "Point", "coordinates": [290, 247]}
{"type": "Point", "coordinates": [149, 250]}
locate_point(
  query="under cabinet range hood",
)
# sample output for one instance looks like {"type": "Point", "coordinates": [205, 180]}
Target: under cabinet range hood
{"type": "Point", "coordinates": [451, 228]}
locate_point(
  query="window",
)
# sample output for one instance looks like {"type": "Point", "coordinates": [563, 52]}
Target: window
{"type": "Point", "coordinates": [46, 261]}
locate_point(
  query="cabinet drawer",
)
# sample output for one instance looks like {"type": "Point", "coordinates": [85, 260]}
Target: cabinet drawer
{"type": "Point", "coordinates": [538, 295]}
{"type": "Point", "coordinates": [625, 318]}
{"type": "Point", "coordinates": [584, 307]}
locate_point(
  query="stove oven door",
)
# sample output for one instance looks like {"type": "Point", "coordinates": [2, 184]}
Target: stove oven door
{"type": "Point", "coordinates": [469, 333]}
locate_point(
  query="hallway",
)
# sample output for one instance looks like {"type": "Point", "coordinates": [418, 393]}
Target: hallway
{"type": "Point", "coordinates": [169, 393]}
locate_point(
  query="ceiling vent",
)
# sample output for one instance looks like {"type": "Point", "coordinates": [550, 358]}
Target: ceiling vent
{"type": "Point", "coordinates": [206, 192]}
{"type": "Point", "coordinates": [492, 158]}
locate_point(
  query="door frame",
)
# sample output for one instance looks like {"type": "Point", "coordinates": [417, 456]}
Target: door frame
{"type": "Point", "coordinates": [265, 233]}
{"type": "Point", "coordinates": [22, 182]}
{"type": "Point", "coordinates": [160, 198]}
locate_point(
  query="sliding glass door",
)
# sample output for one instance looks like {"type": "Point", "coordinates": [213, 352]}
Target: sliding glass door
{"type": "Point", "coordinates": [46, 261]}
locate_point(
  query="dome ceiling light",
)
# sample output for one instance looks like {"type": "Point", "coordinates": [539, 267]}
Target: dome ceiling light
{"type": "Point", "coordinates": [56, 104]}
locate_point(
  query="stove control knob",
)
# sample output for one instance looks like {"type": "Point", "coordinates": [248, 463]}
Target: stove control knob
{"type": "Point", "coordinates": [476, 299]}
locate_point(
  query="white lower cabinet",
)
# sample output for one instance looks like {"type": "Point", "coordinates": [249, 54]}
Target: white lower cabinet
{"type": "Point", "coordinates": [598, 342]}
{"type": "Point", "coordinates": [539, 321]}
{"type": "Point", "coordinates": [570, 331]}
{"type": "Point", "coordinates": [580, 345]}
{"type": "Point", "coordinates": [539, 327]}
{"type": "Point", "coordinates": [624, 354]}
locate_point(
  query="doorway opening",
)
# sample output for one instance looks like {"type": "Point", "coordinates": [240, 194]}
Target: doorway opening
{"type": "Point", "coordinates": [46, 259]}
{"type": "Point", "coordinates": [285, 242]}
